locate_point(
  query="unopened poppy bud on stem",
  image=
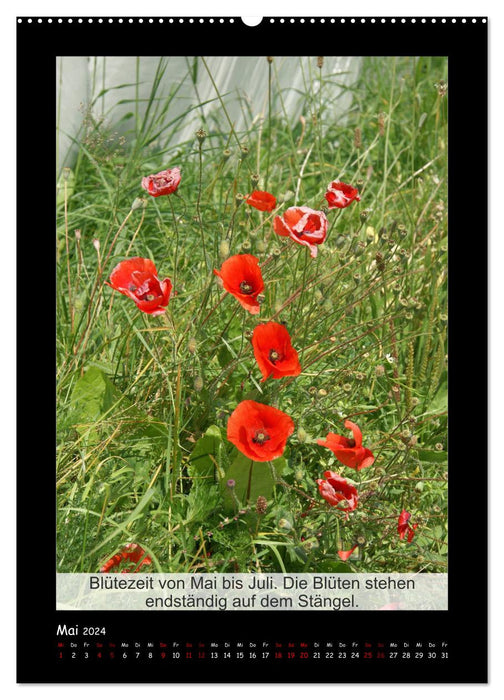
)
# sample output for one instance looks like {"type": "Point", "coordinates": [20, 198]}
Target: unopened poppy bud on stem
{"type": "Point", "coordinates": [224, 249]}
{"type": "Point", "coordinates": [138, 203]}
{"type": "Point", "coordinates": [198, 383]}
{"type": "Point", "coordinates": [201, 135]}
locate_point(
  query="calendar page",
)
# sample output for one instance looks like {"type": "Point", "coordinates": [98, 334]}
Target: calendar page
{"type": "Point", "coordinates": [253, 349]}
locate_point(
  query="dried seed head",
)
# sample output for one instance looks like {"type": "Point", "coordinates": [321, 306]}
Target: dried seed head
{"type": "Point", "coordinates": [244, 151]}
{"type": "Point", "coordinates": [254, 178]}
{"type": "Point", "coordinates": [361, 540]}
{"type": "Point", "coordinates": [261, 298]}
{"type": "Point", "coordinates": [347, 387]}
{"type": "Point", "coordinates": [269, 59]}
{"type": "Point", "coordinates": [320, 61]}
{"type": "Point", "coordinates": [77, 234]}
{"type": "Point", "coordinates": [358, 138]}
{"type": "Point", "coordinates": [312, 390]}
{"type": "Point", "coordinates": [226, 154]}
{"type": "Point", "coordinates": [248, 334]}
{"type": "Point", "coordinates": [261, 505]}
{"type": "Point", "coordinates": [96, 244]}
{"type": "Point", "coordinates": [246, 246]}
{"type": "Point", "coordinates": [192, 345]}
{"type": "Point", "coordinates": [439, 446]}
{"type": "Point", "coordinates": [224, 249]}
{"type": "Point", "coordinates": [198, 383]}
{"type": "Point", "coordinates": [364, 215]}
{"type": "Point", "coordinates": [239, 198]}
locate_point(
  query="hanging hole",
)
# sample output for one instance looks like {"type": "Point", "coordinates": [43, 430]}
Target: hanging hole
{"type": "Point", "coordinates": [251, 21]}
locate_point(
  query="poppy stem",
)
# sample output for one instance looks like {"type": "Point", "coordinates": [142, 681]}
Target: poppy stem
{"type": "Point", "coordinates": [249, 481]}
{"type": "Point", "coordinates": [198, 203]}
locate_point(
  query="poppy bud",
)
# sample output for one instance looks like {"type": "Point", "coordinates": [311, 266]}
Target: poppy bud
{"type": "Point", "coordinates": [322, 392]}
{"type": "Point", "coordinates": [77, 234]}
{"type": "Point", "coordinates": [66, 173]}
{"type": "Point", "coordinates": [192, 345]}
{"type": "Point", "coordinates": [284, 524]}
{"type": "Point", "coordinates": [301, 435]}
{"type": "Point", "coordinates": [96, 244]}
{"type": "Point", "coordinates": [261, 246]}
{"type": "Point", "coordinates": [198, 383]}
{"type": "Point", "coordinates": [224, 249]}
{"type": "Point", "coordinates": [299, 474]}
{"type": "Point", "coordinates": [201, 135]}
{"type": "Point", "coordinates": [138, 203]}
{"type": "Point", "coordinates": [282, 198]}
{"type": "Point", "coordinates": [269, 59]}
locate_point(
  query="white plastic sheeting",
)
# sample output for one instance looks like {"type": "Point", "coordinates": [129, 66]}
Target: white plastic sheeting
{"type": "Point", "coordinates": [118, 89]}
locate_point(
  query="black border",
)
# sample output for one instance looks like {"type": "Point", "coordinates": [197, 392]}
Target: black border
{"type": "Point", "coordinates": [464, 625]}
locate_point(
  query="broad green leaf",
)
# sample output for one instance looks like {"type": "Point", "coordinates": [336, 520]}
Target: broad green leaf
{"type": "Point", "coordinates": [243, 470]}
{"type": "Point", "coordinates": [201, 463]}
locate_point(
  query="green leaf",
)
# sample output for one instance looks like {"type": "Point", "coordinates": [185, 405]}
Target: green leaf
{"type": "Point", "coordinates": [334, 567]}
{"type": "Point", "coordinates": [261, 479]}
{"type": "Point", "coordinates": [201, 463]}
{"type": "Point", "coordinates": [92, 396]}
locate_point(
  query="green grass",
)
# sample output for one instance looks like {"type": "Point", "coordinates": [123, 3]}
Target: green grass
{"type": "Point", "coordinates": [137, 395]}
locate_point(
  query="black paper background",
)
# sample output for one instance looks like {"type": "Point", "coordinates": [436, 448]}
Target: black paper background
{"type": "Point", "coordinates": [464, 625]}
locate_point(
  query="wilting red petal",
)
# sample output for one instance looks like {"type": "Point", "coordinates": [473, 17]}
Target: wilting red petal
{"type": "Point", "coordinates": [163, 183]}
{"type": "Point", "coordinates": [346, 555]}
{"type": "Point", "coordinates": [130, 552]}
{"type": "Point", "coordinates": [338, 492]}
{"type": "Point", "coordinates": [403, 526]}
{"type": "Point", "coordinates": [340, 195]}
{"type": "Point", "coordinates": [259, 431]}
{"type": "Point", "coordinates": [349, 452]}
{"type": "Point", "coordinates": [274, 352]}
{"type": "Point", "coordinates": [264, 201]}
{"type": "Point", "coordinates": [137, 279]}
{"type": "Point", "coordinates": [241, 276]}
{"type": "Point", "coordinates": [304, 225]}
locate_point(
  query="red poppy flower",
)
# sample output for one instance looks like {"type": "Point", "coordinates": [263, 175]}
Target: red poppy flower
{"type": "Point", "coordinates": [241, 277]}
{"type": "Point", "coordinates": [346, 555]}
{"type": "Point", "coordinates": [259, 431]}
{"type": "Point", "coordinates": [303, 225]}
{"type": "Point", "coordinates": [165, 182]}
{"type": "Point", "coordinates": [404, 527]}
{"type": "Point", "coordinates": [130, 553]}
{"type": "Point", "coordinates": [338, 492]}
{"type": "Point", "coordinates": [137, 278]}
{"type": "Point", "coordinates": [350, 452]}
{"type": "Point", "coordinates": [264, 201]}
{"type": "Point", "coordinates": [339, 195]}
{"type": "Point", "coordinates": [274, 352]}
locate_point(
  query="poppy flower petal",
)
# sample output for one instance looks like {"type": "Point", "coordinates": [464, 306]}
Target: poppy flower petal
{"type": "Point", "coordinates": [263, 201]}
{"type": "Point", "coordinates": [259, 431]}
{"type": "Point", "coordinates": [357, 433]}
{"type": "Point", "coordinates": [344, 555]}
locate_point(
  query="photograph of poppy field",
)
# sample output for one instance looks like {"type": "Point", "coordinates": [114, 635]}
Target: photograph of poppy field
{"type": "Point", "coordinates": [252, 323]}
